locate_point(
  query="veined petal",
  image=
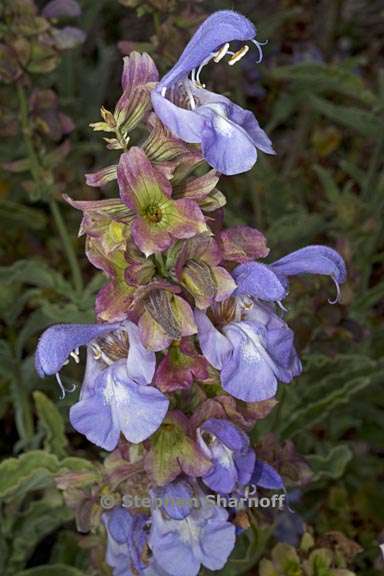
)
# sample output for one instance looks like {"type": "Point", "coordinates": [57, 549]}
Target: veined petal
{"type": "Point", "coordinates": [102, 177]}
{"type": "Point", "coordinates": [150, 239]}
{"type": "Point", "coordinates": [140, 183]}
{"type": "Point", "coordinates": [57, 342]}
{"type": "Point", "coordinates": [221, 27]}
{"type": "Point", "coordinates": [152, 334]}
{"type": "Point", "coordinates": [243, 244]}
{"type": "Point", "coordinates": [185, 124]}
{"type": "Point", "coordinates": [138, 69]}
{"type": "Point", "coordinates": [225, 284]}
{"type": "Point", "coordinates": [188, 220]}
{"type": "Point", "coordinates": [258, 280]}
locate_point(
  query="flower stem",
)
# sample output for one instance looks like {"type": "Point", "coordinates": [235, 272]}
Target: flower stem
{"type": "Point", "coordinates": [46, 191]}
{"type": "Point", "coordinates": [67, 245]}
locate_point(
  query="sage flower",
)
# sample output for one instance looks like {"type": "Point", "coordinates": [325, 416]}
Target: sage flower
{"type": "Point", "coordinates": [126, 541]}
{"type": "Point", "coordinates": [193, 536]}
{"type": "Point", "coordinates": [229, 135]}
{"type": "Point", "coordinates": [116, 396]}
{"type": "Point", "coordinates": [229, 449]}
{"type": "Point", "coordinates": [252, 353]}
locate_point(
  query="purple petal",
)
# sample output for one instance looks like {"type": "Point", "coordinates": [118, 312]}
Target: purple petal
{"type": "Point", "coordinates": [225, 145]}
{"type": "Point", "coordinates": [119, 524]}
{"type": "Point", "coordinates": [245, 464]}
{"type": "Point", "coordinates": [258, 280]}
{"type": "Point", "coordinates": [126, 541]}
{"type": "Point", "coordinates": [248, 374]}
{"type": "Point", "coordinates": [61, 9]}
{"type": "Point", "coordinates": [138, 410]}
{"type": "Point", "coordinates": [93, 418]}
{"type": "Point", "coordinates": [177, 499]}
{"type": "Point", "coordinates": [221, 27]}
{"type": "Point", "coordinates": [57, 342]}
{"type": "Point", "coordinates": [185, 124]}
{"type": "Point", "coordinates": [141, 363]}
{"type": "Point", "coordinates": [247, 121]}
{"type": "Point", "coordinates": [312, 260]}
{"type": "Point", "coordinates": [227, 433]}
{"type": "Point", "coordinates": [169, 550]}
{"type": "Point", "coordinates": [266, 476]}
{"type": "Point", "coordinates": [223, 476]}
{"type": "Point", "coordinates": [214, 345]}
{"type": "Point", "coordinates": [119, 405]}
{"type": "Point", "coordinates": [280, 345]}
{"type": "Point", "coordinates": [217, 541]}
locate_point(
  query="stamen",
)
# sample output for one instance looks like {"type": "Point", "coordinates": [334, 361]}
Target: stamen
{"type": "Point", "coordinates": [258, 46]}
{"type": "Point", "coordinates": [238, 55]}
{"type": "Point", "coordinates": [338, 293]}
{"type": "Point", "coordinates": [221, 53]}
{"type": "Point", "coordinates": [98, 354]}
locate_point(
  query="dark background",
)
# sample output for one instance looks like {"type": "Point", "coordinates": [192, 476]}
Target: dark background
{"type": "Point", "coordinates": [319, 93]}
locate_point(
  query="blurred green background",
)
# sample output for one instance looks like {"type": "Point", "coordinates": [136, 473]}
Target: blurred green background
{"type": "Point", "coordinates": [319, 93]}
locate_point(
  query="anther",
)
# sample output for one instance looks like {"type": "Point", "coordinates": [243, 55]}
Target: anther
{"type": "Point", "coordinates": [221, 53]}
{"type": "Point", "coordinates": [238, 55]}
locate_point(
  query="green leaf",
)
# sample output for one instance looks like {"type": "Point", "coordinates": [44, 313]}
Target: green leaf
{"type": "Point", "coordinates": [34, 272]}
{"type": "Point", "coordinates": [30, 471]}
{"type": "Point", "coordinates": [349, 116]}
{"type": "Point", "coordinates": [329, 185]}
{"type": "Point", "coordinates": [38, 520]}
{"type": "Point", "coordinates": [33, 471]}
{"type": "Point", "coordinates": [332, 465]}
{"type": "Point", "coordinates": [332, 392]}
{"type": "Point", "coordinates": [15, 214]}
{"type": "Point", "coordinates": [53, 570]}
{"type": "Point", "coordinates": [52, 424]}
{"type": "Point", "coordinates": [318, 78]}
